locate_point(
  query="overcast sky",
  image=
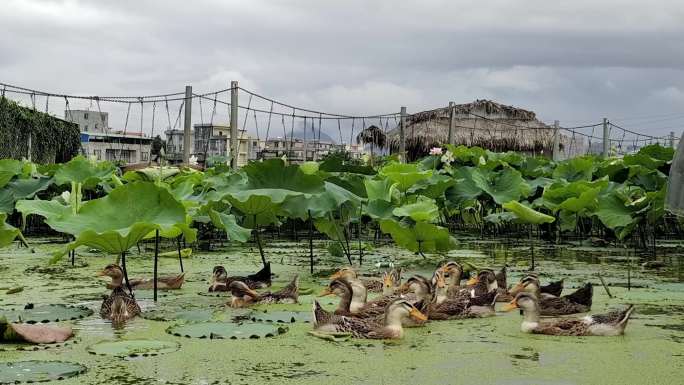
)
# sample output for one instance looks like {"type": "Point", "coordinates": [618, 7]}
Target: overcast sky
{"type": "Point", "coordinates": [576, 61]}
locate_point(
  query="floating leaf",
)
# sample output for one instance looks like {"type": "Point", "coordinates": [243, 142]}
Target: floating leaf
{"type": "Point", "coordinates": [281, 316]}
{"type": "Point", "coordinates": [189, 315]}
{"type": "Point", "coordinates": [228, 330]}
{"type": "Point", "coordinates": [133, 348]}
{"type": "Point", "coordinates": [23, 372]}
{"type": "Point", "coordinates": [46, 313]}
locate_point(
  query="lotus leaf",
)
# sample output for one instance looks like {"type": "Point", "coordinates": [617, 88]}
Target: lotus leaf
{"type": "Point", "coordinates": [81, 170]}
{"type": "Point", "coordinates": [420, 237]}
{"type": "Point", "coordinates": [379, 189]}
{"type": "Point", "coordinates": [424, 209]}
{"type": "Point", "coordinates": [281, 316]}
{"type": "Point", "coordinates": [19, 372]}
{"type": "Point", "coordinates": [7, 232]}
{"type": "Point", "coordinates": [9, 168]}
{"type": "Point", "coordinates": [229, 330]}
{"type": "Point", "coordinates": [133, 348]}
{"type": "Point", "coordinates": [46, 313]}
{"type": "Point", "coordinates": [526, 214]}
{"type": "Point", "coordinates": [575, 169]}
{"type": "Point", "coordinates": [404, 175]}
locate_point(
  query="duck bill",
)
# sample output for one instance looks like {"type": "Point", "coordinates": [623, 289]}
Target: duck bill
{"type": "Point", "coordinates": [325, 292]}
{"type": "Point", "coordinates": [473, 281]}
{"type": "Point", "coordinates": [510, 306]}
{"type": "Point", "coordinates": [417, 315]}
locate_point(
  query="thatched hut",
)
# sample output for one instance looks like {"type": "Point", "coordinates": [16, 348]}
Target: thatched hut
{"type": "Point", "coordinates": [482, 123]}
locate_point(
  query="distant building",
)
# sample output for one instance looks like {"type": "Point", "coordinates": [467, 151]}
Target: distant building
{"type": "Point", "coordinates": [298, 150]}
{"type": "Point", "coordinates": [174, 146]}
{"type": "Point", "coordinates": [212, 140]}
{"type": "Point", "coordinates": [99, 141]}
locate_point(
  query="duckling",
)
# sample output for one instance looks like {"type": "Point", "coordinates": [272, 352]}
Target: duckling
{"type": "Point", "coordinates": [372, 285]}
{"type": "Point", "coordinates": [243, 296]}
{"type": "Point", "coordinates": [609, 324]}
{"type": "Point", "coordinates": [119, 306]}
{"type": "Point", "coordinates": [444, 308]}
{"type": "Point", "coordinates": [390, 328]}
{"type": "Point", "coordinates": [576, 302]}
{"type": "Point", "coordinates": [258, 280]}
{"type": "Point", "coordinates": [163, 283]}
{"type": "Point", "coordinates": [391, 281]}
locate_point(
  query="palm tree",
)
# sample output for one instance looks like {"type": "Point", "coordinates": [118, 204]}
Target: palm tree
{"type": "Point", "coordinates": [373, 136]}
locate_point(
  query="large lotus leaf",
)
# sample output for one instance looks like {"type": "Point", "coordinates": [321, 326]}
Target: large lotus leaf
{"type": "Point", "coordinates": [24, 372]}
{"type": "Point", "coordinates": [274, 174]}
{"type": "Point", "coordinates": [23, 188]}
{"type": "Point", "coordinates": [151, 174]}
{"type": "Point", "coordinates": [503, 186]}
{"type": "Point", "coordinates": [613, 212]}
{"type": "Point", "coordinates": [575, 169]}
{"type": "Point", "coordinates": [45, 209]}
{"type": "Point", "coordinates": [434, 187]}
{"type": "Point", "coordinates": [420, 237]}
{"type": "Point", "coordinates": [430, 162]}
{"type": "Point", "coordinates": [121, 219]}
{"type": "Point", "coordinates": [510, 158]}
{"type": "Point", "coordinates": [468, 155]}
{"type": "Point", "coordinates": [536, 167]}
{"type": "Point", "coordinates": [379, 189]}
{"type": "Point", "coordinates": [526, 214]}
{"type": "Point", "coordinates": [281, 316]}
{"type": "Point", "coordinates": [539, 182]}
{"type": "Point", "coordinates": [336, 163]}
{"type": "Point", "coordinates": [228, 223]}
{"type": "Point", "coordinates": [7, 232]}
{"type": "Point", "coordinates": [404, 175]}
{"type": "Point", "coordinates": [330, 228]}
{"type": "Point", "coordinates": [642, 160]}
{"type": "Point", "coordinates": [46, 313]}
{"type": "Point", "coordinates": [6, 201]}
{"type": "Point", "coordinates": [613, 168]}
{"type": "Point", "coordinates": [658, 152]}
{"type": "Point", "coordinates": [587, 200]}
{"type": "Point", "coordinates": [564, 195]}
{"type": "Point", "coordinates": [379, 209]}
{"type": "Point", "coordinates": [424, 209]}
{"type": "Point", "coordinates": [650, 180]}
{"type": "Point", "coordinates": [466, 189]}
{"type": "Point", "coordinates": [500, 218]}
{"type": "Point", "coordinates": [81, 170]}
{"type": "Point", "coordinates": [318, 205]}
{"type": "Point", "coordinates": [309, 168]}
{"type": "Point", "coordinates": [259, 209]}
{"type": "Point", "coordinates": [133, 348]}
{"type": "Point", "coordinates": [9, 168]}
{"type": "Point", "coordinates": [345, 188]}
{"type": "Point", "coordinates": [228, 330]}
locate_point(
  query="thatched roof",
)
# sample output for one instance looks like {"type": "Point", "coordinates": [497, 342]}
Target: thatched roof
{"type": "Point", "coordinates": [482, 123]}
{"type": "Point", "coordinates": [372, 135]}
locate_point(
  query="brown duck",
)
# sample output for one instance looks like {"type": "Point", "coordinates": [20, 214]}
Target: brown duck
{"type": "Point", "coordinates": [119, 306]}
{"type": "Point", "coordinates": [609, 324]}
{"type": "Point", "coordinates": [576, 302]}
{"type": "Point", "coordinates": [258, 280]}
{"type": "Point", "coordinates": [243, 296]}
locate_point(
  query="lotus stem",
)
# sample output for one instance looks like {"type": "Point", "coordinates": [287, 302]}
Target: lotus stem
{"type": "Point", "coordinates": [180, 258]}
{"type": "Point", "coordinates": [123, 267]}
{"type": "Point", "coordinates": [311, 256]}
{"type": "Point", "coordinates": [156, 262]}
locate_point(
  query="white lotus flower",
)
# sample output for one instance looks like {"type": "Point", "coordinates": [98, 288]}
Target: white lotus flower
{"type": "Point", "coordinates": [193, 160]}
{"type": "Point", "coordinates": [448, 157]}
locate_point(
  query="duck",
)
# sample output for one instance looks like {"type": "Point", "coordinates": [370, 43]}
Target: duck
{"type": "Point", "coordinates": [243, 296]}
{"type": "Point", "coordinates": [258, 280]}
{"type": "Point", "coordinates": [577, 302]}
{"type": "Point", "coordinates": [163, 283]}
{"type": "Point", "coordinates": [396, 312]}
{"type": "Point", "coordinates": [119, 306]}
{"type": "Point", "coordinates": [391, 281]}
{"type": "Point", "coordinates": [372, 285]}
{"type": "Point", "coordinates": [443, 307]}
{"type": "Point", "coordinates": [484, 282]}
{"type": "Point", "coordinates": [552, 289]}
{"type": "Point", "coordinates": [609, 324]}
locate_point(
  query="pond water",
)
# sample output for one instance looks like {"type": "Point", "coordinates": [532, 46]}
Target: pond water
{"type": "Point", "coordinates": [486, 351]}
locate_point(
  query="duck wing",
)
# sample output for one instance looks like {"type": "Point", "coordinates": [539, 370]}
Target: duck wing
{"type": "Point", "coordinates": [553, 288]}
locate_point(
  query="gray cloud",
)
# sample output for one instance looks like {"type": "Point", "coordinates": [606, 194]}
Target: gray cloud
{"type": "Point", "coordinates": [574, 61]}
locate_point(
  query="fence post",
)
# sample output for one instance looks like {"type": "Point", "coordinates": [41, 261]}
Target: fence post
{"type": "Point", "coordinates": [452, 119]}
{"type": "Point", "coordinates": [234, 143]}
{"type": "Point", "coordinates": [30, 150]}
{"type": "Point", "coordinates": [672, 139]}
{"type": "Point", "coordinates": [402, 135]}
{"type": "Point", "coordinates": [556, 141]}
{"type": "Point", "coordinates": [606, 138]}
{"type": "Point", "coordinates": [187, 126]}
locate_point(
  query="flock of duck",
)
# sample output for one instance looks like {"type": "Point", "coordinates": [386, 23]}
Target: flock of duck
{"type": "Point", "coordinates": [412, 303]}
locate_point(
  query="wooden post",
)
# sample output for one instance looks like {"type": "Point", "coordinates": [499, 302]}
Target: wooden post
{"type": "Point", "coordinates": [672, 139]}
{"type": "Point", "coordinates": [402, 135]}
{"type": "Point", "coordinates": [188, 125]}
{"type": "Point", "coordinates": [234, 143]}
{"type": "Point", "coordinates": [606, 139]}
{"type": "Point", "coordinates": [30, 150]}
{"type": "Point", "coordinates": [452, 120]}
{"type": "Point", "coordinates": [556, 141]}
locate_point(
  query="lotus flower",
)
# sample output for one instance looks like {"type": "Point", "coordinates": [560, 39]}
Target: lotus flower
{"type": "Point", "coordinates": [448, 157]}
{"type": "Point", "coordinates": [193, 160]}
{"type": "Point", "coordinates": [436, 151]}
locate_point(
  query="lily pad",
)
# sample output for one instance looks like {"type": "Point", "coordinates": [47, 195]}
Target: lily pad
{"type": "Point", "coordinates": [194, 315]}
{"type": "Point", "coordinates": [219, 330]}
{"type": "Point", "coordinates": [27, 347]}
{"type": "Point", "coordinates": [282, 316]}
{"type": "Point", "coordinates": [46, 313]}
{"type": "Point", "coordinates": [133, 348]}
{"type": "Point", "coordinates": [38, 371]}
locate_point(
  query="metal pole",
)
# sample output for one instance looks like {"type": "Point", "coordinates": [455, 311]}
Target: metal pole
{"type": "Point", "coordinates": [30, 145]}
{"type": "Point", "coordinates": [606, 138]}
{"type": "Point", "coordinates": [234, 125]}
{"type": "Point", "coordinates": [402, 135]}
{"type": "Point", "coordinates": [452, 119]}
{"type": "Point", "coordinates": [556, 141]}
{"type": "Point", "coordinates": [672, 139]}
{"type": "Point", "coordinates": [188, 125]}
